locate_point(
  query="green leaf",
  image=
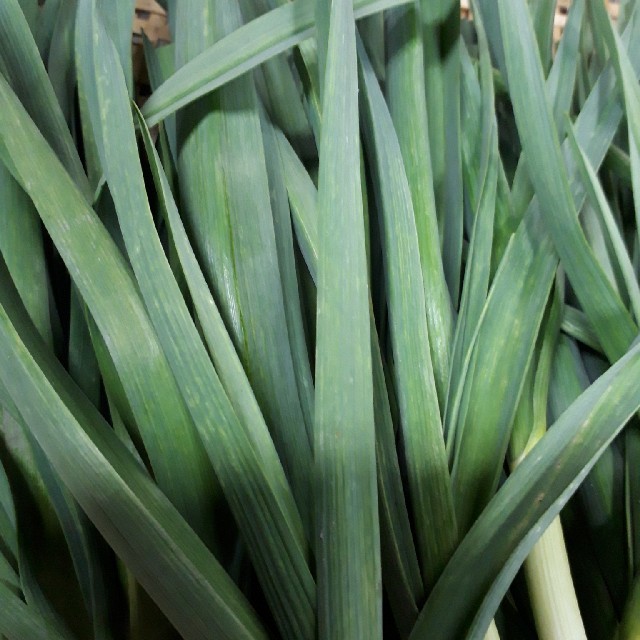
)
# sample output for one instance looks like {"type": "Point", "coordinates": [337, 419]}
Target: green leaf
{"type": "Point", "coordinates": [511, 318]}
{"type": "Point", "coordinates": [61, 59]}
{"type": "Point", "coordinates": [128, 509]}
{"type": "Point", "coordinates": [92, 260]}
{"type": "Point", "coordinates": [619, 162]}
{"type": "Point", "coordinates": [83, 364]}
{"type": "Point", "coordinates": [631, 94]}
{"type": "Point", "coordinates": [610, 319]}
{"type": "Point", "coordinates": [576, 325]}
{"type": "Point", "coordinates": [25, 72]}
{"type": "Point", "coordinates": [303, 198]}
{"type": "Point", "coordinates": [630, 624]}
{"type": "Point", "coordinates": [278, 85]}
{"type": "Point", "coordinates": [30, 10]}
{"type": "Point", "coordinates": [406, 94]}
{"type": "Point", "coordinates": [560, 86]}
{"type": "Point", "coordinates": [481, 181]}
{"type": "Point", "coordinates": [201, 137]}
{"type": "Point", "coordinates": [259, 501]}
{"type": "Point", "coordinates": [238, 389]}
{"type": "Point", "coordinates": [22, 248]}
{"type": "Point", "coordinates": [8, 538]}
{"type": "Point", "coordinates": [21, 621]}
{"type": "Point", "coordinates": [599, 202]}
{"type": "Point", "coordinates": [428, 472]}
{"type": "Point", "coordinates": [562, 77]}
{"type": "Point", "coordinates": [508, 325]}
{"type": "Point", "coordinates": [88, 562]}
{"type": "Point", "coordinates": [242, 50]}
{"type": "Point", "coordinates": [290, 287]}
{"type": "Point", "coordinates": [160, 63]}
{"type": "Point", "coordinates": [441, 44]}
{"type": "Point", "coordinates": [45, 24]}
{"type": "Point", "coordinates": [525, 505]}
{"type": "Point", "coordinates": [543, 13]}
{"type": "Point", "coordinates": [87, 103]}
{"type": "Point", "coordinates": [632, 489]}
{"type": "Point", "coordinates": [400, 568]}
{"type": "Point", "coordinates": [234, 233]}
{"type": "Point", "coordinates": [79, 536]}
{"type": "Point", "coordinates": [348, 558]}
{"type": "Point", "coordinates": [473, 141]}
{"type": "Point", "coordinates": [118, 18]}
{"type": "Point", "coordinates": [491, 19]}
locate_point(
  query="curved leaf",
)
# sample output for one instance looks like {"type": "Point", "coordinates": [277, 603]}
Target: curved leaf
{"type": "Point", "coordinates": [241, 51]}
{"type": "Point", "coordinates": [531, 497]}
{"type": "Point", "coordinates": [103, 280]}
{"type": "Point", "coordinates": [137, 520]}
{"type": "Point", "coordinates": [255, 487]}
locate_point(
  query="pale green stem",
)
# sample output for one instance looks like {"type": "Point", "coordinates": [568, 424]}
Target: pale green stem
{"type": "Point", "coordinates": [553, 598]}
{"type": "Point", "coordinates": [548, 575]}
{"type": "Point", "coordinates": [492, 632]}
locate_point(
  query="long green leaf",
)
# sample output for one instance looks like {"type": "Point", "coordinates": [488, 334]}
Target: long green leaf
{"type": "Point", "coordinates": [92, 260]}
{"type": "Point", "coordinates": [88, 564]}
{"type": "Point", "coordinates": [632, 489]}
{"type": "Point", "coordinates": [576, 325]}
{"type": "Point", "coordinates": [428, 473]}
{"type": "Point", "coordinates": [474, 136]}
{"type": "Point", "coordinates": [8, 511]}
{"type": "Point", "coordinates": [21, 621]}
{"type": "Point", "coordinates": [128, 509]}
{"type": "Point", "coordinates": [25, 72]}
{"type": "Point", "coordinates": [482, 183]}
{"type": "Point", "coordinates": [270, 535]}
{"type": "Point", "coordinates": [46, 21]}
{"type": "Point", "coordinates": [560, 86]}
{"type": "Point", "coordinates": [400, 567]}
{"type": "Point", "coordinates": [441, 42]}
{"type": "Point", "coordinates": [562, 77]}
{"type": "Point", "coordinates": [406, 94]}
{"type": "Point", "coordinates": [83, 364]}
{"type": "Point", "coordinates": [87, 104]}
{"type": "Point", "coordinates": [630, 625]}
{"type": "Point", "coordinates": [22, 248]}
{"type": "Point", "coordinates": [290, 286]}
{"type": "Point", "coordinates": [278, 82]}
{"type": "Point", "coordinates": [543, 13]}
{"type": "Point", "coordinates": [200, 138]}
{"type": "Point", "coordinates": [234, 234]}
{"type": "Point", "coordinates": [599, 201]}
{"type": "Point", "coordinates": [630, 92]}
{"type": "Point", "coordinates": [118, 18]}
{"type": "Point", "coordinates": [529, 500]}
{"type": "Point", "coordinates": [609, 317]}
{"type": "Point", "coordinates": [227, 362]}
{"type": "Point", "coordinates": [303, 198]}
{"type": "Point", "coordinates": [348, 558]}
{"type": "Point", "coordinates": [60, 62]}
{"type": "Point", "coordinates": [241, 51]}
{"type": "Point", "coordinates": [512, 315]}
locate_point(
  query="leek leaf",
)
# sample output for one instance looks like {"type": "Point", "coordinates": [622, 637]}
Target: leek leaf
{"type": "Point", "coordinates": [348, 558]}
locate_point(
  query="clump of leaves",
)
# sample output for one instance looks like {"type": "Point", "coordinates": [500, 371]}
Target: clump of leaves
{"type": "Point", "coordinates": [331, 338]}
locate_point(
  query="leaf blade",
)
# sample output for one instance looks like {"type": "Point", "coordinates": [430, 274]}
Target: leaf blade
{"type": "Point", "coordinates": [348, 559]}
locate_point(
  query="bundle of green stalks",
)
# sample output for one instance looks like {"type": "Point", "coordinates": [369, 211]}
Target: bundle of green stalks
{"type": "Point", "coordinates": [336, 338]}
